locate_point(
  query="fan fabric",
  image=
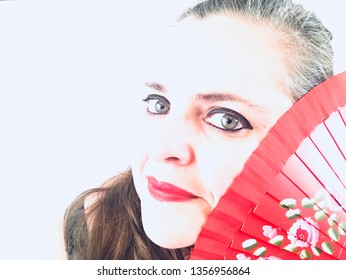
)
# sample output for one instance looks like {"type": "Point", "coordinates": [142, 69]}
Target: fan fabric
{"type": "Point", "coordinates": [289, 201]}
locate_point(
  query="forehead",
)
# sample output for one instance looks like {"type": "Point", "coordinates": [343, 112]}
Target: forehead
{"type": "Point", "coordinates": [217, 52]}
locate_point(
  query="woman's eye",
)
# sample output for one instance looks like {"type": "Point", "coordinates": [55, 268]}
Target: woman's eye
{"type": "Point", "coordinates": [157, 104]}
{"type": "Point", "coordinates": [227, 120]}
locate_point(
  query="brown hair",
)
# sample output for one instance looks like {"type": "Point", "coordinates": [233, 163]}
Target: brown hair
{"type": "Point", "coordinates": [111, 228]}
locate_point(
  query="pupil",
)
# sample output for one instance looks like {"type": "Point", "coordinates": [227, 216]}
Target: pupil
{"type": "Point", "coordinates": [160, 107]}
{"type": "Point", "coordinates": [230, 122]}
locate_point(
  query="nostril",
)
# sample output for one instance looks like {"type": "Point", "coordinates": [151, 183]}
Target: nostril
{"type": "Point", "coordinates": [181, 156]}
{"type": "Point", "coordinates": [177, 151]}
{"type": "Point", "coordinates": [172, 160]}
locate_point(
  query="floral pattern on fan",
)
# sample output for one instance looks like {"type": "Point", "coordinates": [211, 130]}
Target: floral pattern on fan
{"type": "Point", "coordinates": [305, 236]}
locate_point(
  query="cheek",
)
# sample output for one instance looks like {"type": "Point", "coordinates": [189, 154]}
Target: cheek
{"type": "Point", "coordinates": [222, 164]}
{"type": "Point", "coordinates": [141, 139]}
{"type": "Point", "coordinates": [137, 165]}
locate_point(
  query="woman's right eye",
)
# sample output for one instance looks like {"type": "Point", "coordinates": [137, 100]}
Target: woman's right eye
{"type": "Point", "coordinates": [157, 104]}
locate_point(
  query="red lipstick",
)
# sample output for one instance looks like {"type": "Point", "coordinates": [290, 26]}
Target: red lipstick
{"type": "Point", "coordinates": [167, 192]}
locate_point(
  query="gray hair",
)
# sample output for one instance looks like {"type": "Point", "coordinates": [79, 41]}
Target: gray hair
{"type": "Point", "coordinates": [307, 43]}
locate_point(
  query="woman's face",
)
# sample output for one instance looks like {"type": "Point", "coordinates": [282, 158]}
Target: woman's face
{"type": "Point", "coordinates": [212, 90]}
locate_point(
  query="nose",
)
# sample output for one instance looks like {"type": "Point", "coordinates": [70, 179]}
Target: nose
{"type": "Point", "coordinates": [172, 147]}
{"type": "Point", "coordinates": [177, 153]}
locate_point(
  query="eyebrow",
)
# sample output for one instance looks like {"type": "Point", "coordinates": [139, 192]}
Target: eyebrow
{"type": "Point", "coordinates": [156, 86]}
{"type": "Point", "coordinates": [219, 97]}
{"type": "Point", "coordinates": [216, 96]}
{"type": "Point", "coordinates": [209, 97]}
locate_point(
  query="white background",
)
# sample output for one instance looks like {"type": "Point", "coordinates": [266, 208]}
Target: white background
{"type": "Point", "coordinates": [65, 67]}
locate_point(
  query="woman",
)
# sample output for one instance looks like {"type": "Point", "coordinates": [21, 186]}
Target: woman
{"type": "Point", "coordinates": [214, 87]}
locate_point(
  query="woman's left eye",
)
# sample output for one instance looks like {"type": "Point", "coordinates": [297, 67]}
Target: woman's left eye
{"type": "Point", "coordinates": [227, 120]}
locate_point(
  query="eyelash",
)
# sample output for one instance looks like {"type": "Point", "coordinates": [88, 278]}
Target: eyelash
{"type": "Point", "coordinates": [237, 117]}
{"type": "Point", "coordinates": [157, 98]}
{"type": "Point", "coordinates": [241, 121]}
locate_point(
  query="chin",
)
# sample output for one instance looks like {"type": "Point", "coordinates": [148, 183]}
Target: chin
{"type": "Point", "coordinates": [170, 240]}
{"type": "Point", "coordinates": [172, 230]}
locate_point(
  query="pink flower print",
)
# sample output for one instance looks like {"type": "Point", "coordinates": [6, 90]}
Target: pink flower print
{"type": "Point", "coordinates": [304, 233]}
{"type": "Point", "coordinates": [269, 232]}
{"type": "Point", "coordinates": [242, 257]}
{"type": "Point", "coordinates": [270, 258]}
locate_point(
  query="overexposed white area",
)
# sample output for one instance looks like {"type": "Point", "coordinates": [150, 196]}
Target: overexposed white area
{"type": "Point", "coordinates": [332, 15]}
{"type": "Point", "coordinates": [65, 77]}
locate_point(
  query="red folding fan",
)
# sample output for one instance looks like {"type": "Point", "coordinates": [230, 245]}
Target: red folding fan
{"type": "Point", "coordinates": [289, 201]}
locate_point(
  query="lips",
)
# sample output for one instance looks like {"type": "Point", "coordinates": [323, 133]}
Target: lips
{"type": "Point", "coordinates": [167, 192]}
